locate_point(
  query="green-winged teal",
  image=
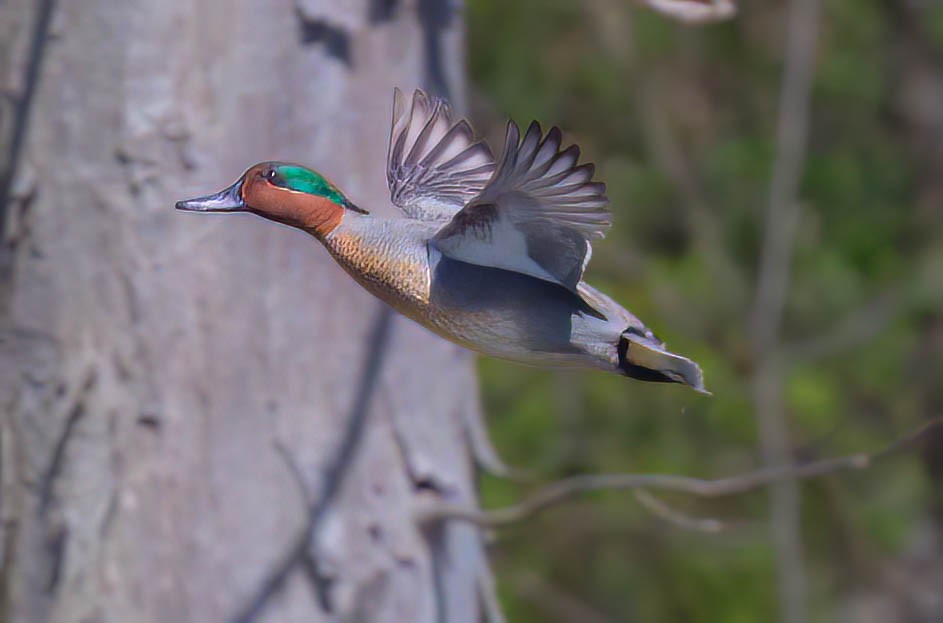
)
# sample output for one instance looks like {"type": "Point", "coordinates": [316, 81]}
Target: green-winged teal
{"type": "Point", "coordinates": [491, 253]}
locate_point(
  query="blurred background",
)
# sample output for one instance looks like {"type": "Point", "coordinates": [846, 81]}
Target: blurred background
{"type": "Point", "coordinates": [777, 189]}
{"type": "Point", "coordinates": [682, 125]}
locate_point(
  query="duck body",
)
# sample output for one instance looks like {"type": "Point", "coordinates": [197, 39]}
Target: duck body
{"type": "Point", "coordinates": [496, 312]}
{"type": "Point", "coordinates": [491, 254]}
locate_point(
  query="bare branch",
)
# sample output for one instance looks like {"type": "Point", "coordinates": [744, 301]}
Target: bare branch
{"type": "Point", "coordinates": [772, 288]}
{"type": "Point", "coordinates": [489, 598]}
{"type": "Point", "coordinates": [675, 517]}
{"type": "Point", "coordinates": [485, 455]}
{"type": "Point", "coordinates": [562, 490]}
{"type": "Point", "coordinates": [782, 213]}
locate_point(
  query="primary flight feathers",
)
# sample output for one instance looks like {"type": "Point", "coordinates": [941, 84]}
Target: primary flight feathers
{"type": "Point", "coordinates": [534, 211]}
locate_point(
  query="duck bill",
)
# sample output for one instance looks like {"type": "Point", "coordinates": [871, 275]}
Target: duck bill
{"type": "Point", "coordinates": [229, 200]}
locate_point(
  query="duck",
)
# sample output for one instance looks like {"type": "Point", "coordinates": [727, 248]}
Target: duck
{"type": "Point", "coordinates": [489, 253]}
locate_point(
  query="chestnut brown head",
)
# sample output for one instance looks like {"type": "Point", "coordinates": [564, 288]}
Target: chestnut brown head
{"type": "Point", "coordinates": [283, 192]}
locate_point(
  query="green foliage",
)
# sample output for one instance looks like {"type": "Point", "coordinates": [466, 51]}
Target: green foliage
{"type": "Point", "coordinates": [636, 103]}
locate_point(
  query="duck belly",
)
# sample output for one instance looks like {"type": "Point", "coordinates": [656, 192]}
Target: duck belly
{"type": "Point", "coordinates": [517, 317]}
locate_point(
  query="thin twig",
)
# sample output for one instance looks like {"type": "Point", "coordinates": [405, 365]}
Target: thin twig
{"type": "Point", "coordinates": [562, 490]}
{"type": "Point", "coordinates": [295, 470]}
{"type": "Point", "coordinates": [675, 517]}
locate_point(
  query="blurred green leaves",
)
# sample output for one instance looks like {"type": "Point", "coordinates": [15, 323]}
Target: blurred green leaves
{"type": "Point", "coordinates": [608, 74]}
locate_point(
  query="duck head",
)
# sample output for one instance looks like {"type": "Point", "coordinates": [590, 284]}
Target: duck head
{"type": "Point", "coordinates": [282, 192]}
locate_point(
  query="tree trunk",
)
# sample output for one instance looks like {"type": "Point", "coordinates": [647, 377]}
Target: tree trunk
{"type": "Point", "coordinates": [167, 379]}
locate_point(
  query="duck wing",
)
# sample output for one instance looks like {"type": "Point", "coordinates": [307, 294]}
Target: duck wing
{"type": "Point", "coordinates": [537, 214]}
{"type": "Point", "coordinates": [434, 164]}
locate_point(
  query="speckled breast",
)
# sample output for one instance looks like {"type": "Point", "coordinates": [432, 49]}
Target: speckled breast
{"type": "Point", "coordinates": [390, 264]}
{"type": "Point", "coordinates": [390, 259]}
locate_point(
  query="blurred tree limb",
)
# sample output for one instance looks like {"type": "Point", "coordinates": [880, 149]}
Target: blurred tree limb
{"type": "Point", "coordinates": [673, 516]}
{"type": "Point", "coordinates": [560, 491]}
{"type": "Point", "coordinates": [19, 109]}
{"type": "Point", "coordinates": [772, 288]}
{"type": "Point", "coordinates": [693, 11]}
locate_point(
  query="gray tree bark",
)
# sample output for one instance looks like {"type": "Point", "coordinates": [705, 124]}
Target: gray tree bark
{"type": "Point", "coordinates": [167, 380]}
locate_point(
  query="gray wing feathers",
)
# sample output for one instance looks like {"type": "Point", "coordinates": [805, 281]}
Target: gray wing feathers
{"type": "Point", "coordinates": [537, 214]}
{"type": "Point", "coordinates": [563, 189]}
{"type": "Point", "coordinates": [434, 165]}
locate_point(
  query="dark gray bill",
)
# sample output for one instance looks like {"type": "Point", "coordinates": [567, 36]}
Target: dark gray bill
{"type": "Point", "coordinates": [229, 200]}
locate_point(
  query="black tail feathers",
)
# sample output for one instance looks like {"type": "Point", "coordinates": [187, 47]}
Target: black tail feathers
{"type": "Point", "coordinates": [642, 356]}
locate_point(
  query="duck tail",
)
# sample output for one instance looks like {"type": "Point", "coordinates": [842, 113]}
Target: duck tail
{"type": "Point", "coordinates": [644, 357]}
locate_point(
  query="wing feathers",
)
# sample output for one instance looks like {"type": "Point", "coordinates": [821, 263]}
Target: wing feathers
{"type": "Point", "coordinates": [435, 165]}
{"type": "Point", "coordinates": [536, 215]}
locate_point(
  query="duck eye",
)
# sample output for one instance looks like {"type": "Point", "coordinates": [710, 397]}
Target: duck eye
{"type": "Point", "coordinates": [271, 175]}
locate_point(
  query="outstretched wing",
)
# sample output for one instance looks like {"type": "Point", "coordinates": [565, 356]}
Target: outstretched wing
{"type": "Point", "coordinates": [536, 216]}
{"type": "Point", "coordinates": [434, 165]}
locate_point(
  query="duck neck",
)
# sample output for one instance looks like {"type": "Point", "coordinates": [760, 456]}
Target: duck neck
{"type": "Point", "coordinates": [318, 216]}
